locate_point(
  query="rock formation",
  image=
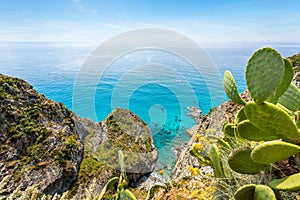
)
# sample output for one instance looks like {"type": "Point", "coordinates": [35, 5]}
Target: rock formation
{"type": "Point", "coordinates": [46, 148]}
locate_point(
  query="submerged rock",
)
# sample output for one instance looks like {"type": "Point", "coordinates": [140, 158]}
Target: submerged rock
{"type": "Point", "coordinates": [46, 148]}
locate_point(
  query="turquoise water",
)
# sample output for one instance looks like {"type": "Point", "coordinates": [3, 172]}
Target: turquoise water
{"type": "Point", "coordinates": [52, 69]}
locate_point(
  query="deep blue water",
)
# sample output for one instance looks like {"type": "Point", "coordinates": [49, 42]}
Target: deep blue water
{"type": "Point", "coordinates": [154, 84]}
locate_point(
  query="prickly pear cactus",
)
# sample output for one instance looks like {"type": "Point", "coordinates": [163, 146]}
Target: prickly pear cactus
{"type": "Point", "coordinates": [229, 130]}
{"type": "Point", "coordinates": [121, 193]}
{"type": "Point", "coordinates": [254, 192]}
{"type": "Point", "coordinates": [240, 116]}
{"type": "Point", "coordinates": [291, 98]}
{"type": "Point", "coordinates": [272, 121]}
{"type": "Point", "coordinates": [263, 192]}
{"type": "Point", "coordinates": [247, 130]}
{"type": "Point", "coordinates": [264, 72]}
{"type": "Point", "coordinates": [240, 161]}
{"type": "Point", "coordinates": [231, 89]}
{"type": "Point", "coordinates": [215, 158]}
{"type": "Point", "coordinates": [290, 183]}
{"type": "Point", "coordinates": [285, 83]}
{"type": "Point", "coordinates": [246, 192]}
{"type": "Point", "coordinates": [273, 151]}
{"type": "Point", "coordinates": [126, 195]}
{"type": "Point", "coordinates": [271, 118]}
{"type": "Point", "coordinates": [298, 120]}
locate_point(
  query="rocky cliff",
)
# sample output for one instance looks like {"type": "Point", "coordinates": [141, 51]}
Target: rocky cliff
{"type": "Point", "coordinates": [45, 149]}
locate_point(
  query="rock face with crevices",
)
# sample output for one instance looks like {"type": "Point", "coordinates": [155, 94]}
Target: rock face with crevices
{"type": "Point", "coordinates": [46, 148]}
{"type": "Point", "coordinates": [38, 145]}
{"type": "Point", "coordinates": [121, 130]}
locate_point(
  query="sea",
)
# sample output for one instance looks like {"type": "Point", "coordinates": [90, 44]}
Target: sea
{"type": "Point", "coordinates": [156, 85]}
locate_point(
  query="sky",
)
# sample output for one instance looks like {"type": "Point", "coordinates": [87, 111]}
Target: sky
{"type": "Point", "coordinates": [99, 20]}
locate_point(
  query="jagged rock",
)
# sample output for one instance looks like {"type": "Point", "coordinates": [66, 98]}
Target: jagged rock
{"type": "Point", "coordinates": [45, 146]}
{"type": "Point", "coordinates": [38, 145]}
{"type": "Point", "coordinates": [121, 130]}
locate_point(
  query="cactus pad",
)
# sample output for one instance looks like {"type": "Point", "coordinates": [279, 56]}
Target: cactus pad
{"type": "Point", "coordinates": [272, 119]}
{"type": "Point", "coordinates": [263, 192]}
{"type": "Point", "coordinates": [228, 130]}
{"type": "Point", "coordinates": [224, 144]}
{"type": "Point", "coordinates": [246, 192]}
{"type": "Point", "coordinates": [264, 72]}
{"type": "Point", "coordinates": [290, 183]}
{"type": "Point", "coordinates": [285, 83]}
{"type": "Point", "coordinates": [289, 112]}
{"type": "Point", "coordinates": [240, 116]}
{"type": "Point", "coordinates": [231, 89]}
{"type": "Point", "coordinates": [240, 161]}
{"type": "Point", "coordinates": [298, 120]}
{"type": "Point", "coordinates": [126, 195]}
{"type": "Point", "coordinates": [273, 151]}
{"type": "Point", "coordinates": [247, 130]}
{"type": "Point", "coordinates": [291, 98]}
{"type": "Point", "coordinates": [215, 158]}
{"type": "Point", "coordinates": [108, 185]}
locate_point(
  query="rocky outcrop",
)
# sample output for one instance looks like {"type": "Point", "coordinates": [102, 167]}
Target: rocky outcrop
{"type": "Point", "coordinates": [45, 146]}
{"type": "Point", "coordinates": [38, 145]}
{"type": "Point", "coordinates": [121, 130]}
{"type": "Point", "coordinates": [213, 121]}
